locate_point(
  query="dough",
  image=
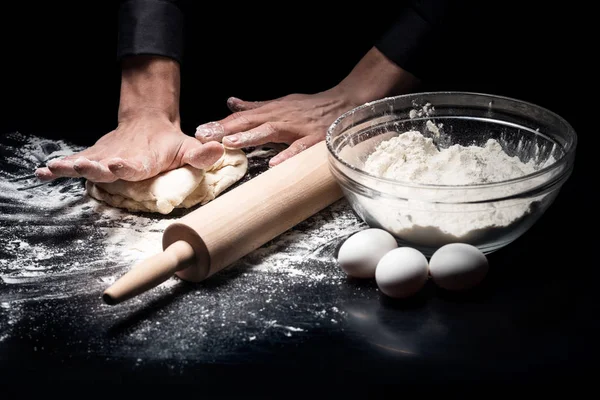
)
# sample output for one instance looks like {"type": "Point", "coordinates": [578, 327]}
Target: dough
{"type": "Point", "coordinates": [183, 187]}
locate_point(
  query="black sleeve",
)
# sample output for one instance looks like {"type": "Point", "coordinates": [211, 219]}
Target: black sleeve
{"type": "Point", "coordinates": [151, 27]}
{"type": "Point", "coordinates": [412, 35]}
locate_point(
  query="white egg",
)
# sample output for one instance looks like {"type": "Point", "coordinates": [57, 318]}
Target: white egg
{"type": "Point", "coordinates": [458, 266]}
{"type": "Point", "coordinates": [359, 254]}
{"type": "Point", "coordinates": [401, 272]}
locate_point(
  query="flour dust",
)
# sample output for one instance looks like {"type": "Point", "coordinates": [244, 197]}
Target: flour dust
{"type": "Point", "coordinates": [60, 249]}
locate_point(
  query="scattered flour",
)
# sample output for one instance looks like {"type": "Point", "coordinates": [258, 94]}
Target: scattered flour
{"type": "Point", "coordinates": [58, 243]}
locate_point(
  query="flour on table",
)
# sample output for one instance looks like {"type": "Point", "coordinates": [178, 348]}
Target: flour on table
{"type": "Point", "coordinates": [71, 246]}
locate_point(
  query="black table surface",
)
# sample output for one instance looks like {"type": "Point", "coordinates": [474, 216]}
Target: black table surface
{"type": "Point", "coordinates": [284, 313]}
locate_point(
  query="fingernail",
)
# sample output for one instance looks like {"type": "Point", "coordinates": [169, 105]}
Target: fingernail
{"type": "Point", "coordinates": [231, 102]}
{"type": "Point", "coordinates": [41, 174]}
{"type": "Point", "coordinates": [209, 130]}
{"type": "Point", "coordinates": [232, 139]}
{"type": "Point", "coordinates": [76, 165]}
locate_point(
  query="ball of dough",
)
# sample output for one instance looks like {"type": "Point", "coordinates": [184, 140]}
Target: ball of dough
{"type": "Point", "coordinates": [458, 266]}
{"type": "Point", "coordinates": [360, 253]}
{"type": "Point", "coordinates": [182, 187]}
{"type": "Point", "coordinates": [401, 272]}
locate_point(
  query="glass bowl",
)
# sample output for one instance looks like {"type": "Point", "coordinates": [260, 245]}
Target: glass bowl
{"type": "Point", "coordinates": [427, 216]}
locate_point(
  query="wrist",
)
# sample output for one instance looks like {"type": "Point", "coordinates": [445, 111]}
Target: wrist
{"type": "Point", "coordinates": [376, 77]}
{"type": "Point", "coordinates": [149, 85]}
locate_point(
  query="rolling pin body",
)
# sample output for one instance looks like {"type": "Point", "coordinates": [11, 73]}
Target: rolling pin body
{"type": "Point", "coordinates": [237, 222]}
{"type": "Point", "coordinates": [255, 212]}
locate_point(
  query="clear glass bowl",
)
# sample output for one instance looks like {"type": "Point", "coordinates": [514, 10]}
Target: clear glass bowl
{"type": "Point", "coordinates": [426, 217]}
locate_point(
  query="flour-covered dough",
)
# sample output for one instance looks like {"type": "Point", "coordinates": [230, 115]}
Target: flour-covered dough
{"type": "Point", "coordinates": [183, 187]}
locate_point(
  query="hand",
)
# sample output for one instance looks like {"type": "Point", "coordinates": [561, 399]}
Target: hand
{"type": "Point", "coordinates": [148, 139]}
{"type": "Point", "coordinates": [302, 120]}
{"type": "Point", "coordinates": [140, 148]}
{"type": "Point", "coordinates": [299, 120]}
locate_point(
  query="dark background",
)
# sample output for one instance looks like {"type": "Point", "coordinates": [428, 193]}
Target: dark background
{"type": "Point", "coordinates": [61, 76]}
{"type": "Point", "coordinates": [61, 79]}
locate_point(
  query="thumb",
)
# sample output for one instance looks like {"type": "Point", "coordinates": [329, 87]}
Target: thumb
{"type": "Point", "coordinates": [200, 155]}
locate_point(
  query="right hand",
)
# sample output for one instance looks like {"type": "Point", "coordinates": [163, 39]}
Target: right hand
{"type": "Point", "coordinates": [148, 139]}
{"type": "Point", "coordinates": [140, 148]}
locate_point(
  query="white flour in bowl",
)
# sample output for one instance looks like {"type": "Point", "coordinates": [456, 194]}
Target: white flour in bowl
{"type": "Point", "coordinates": [413, 158]}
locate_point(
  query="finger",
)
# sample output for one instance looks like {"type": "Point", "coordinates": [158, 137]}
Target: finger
{"type": "Point", "coordinates": [71, 157]}
{"type": "Point", "coordinates": [93, 170]}
{"type": "Point", "coordinates": [44, 174]}
{"type": "Point", "coordinates": [234, 104]}
{"type": "Point", "coordinates": [234, 123]}
{"type": "Point", "coordinates": [129, 170]}
{"type": "Point", "coordinates": [262, 134]}
{"type": "Point", "coordinates": [63, 168]}
{"type": "Point", "coordinates": [295, 148]}
{"type": "Point", "coordinates": [200, 155]}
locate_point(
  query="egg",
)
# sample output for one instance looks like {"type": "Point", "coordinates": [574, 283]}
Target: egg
{"type": "Point", "coordinates": [401, 272]}
{"type": "Point", "coordinates": [359, 254]}
{"type": "Point", "coordinates": [458, 266]}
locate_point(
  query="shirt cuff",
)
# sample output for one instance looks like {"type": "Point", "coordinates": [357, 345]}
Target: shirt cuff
{"type": "Point", "coordinates": [408, 41]}
{"type": "Point", "coordinates": [149, 27]}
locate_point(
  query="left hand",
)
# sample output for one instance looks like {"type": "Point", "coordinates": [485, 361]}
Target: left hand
{"type": "Point", "coordinates": [299, 120]}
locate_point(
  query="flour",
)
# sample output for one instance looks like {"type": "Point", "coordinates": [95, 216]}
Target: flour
{"type": "Point", "coordinates": [116, 234]}
{"type": "Point", "coordinates": [413, 159]}
{"type": "Point", "coordinates": [418, 112]}
{"type": "Point", "coordinates": [58, 244]}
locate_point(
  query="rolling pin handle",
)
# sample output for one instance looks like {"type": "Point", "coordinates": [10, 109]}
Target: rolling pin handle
{"type": "Point", "coordinates": [151, 272]}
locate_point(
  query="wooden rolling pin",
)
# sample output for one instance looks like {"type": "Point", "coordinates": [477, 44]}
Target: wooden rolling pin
{"type": "Point", "coordinates": [237, 222]}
